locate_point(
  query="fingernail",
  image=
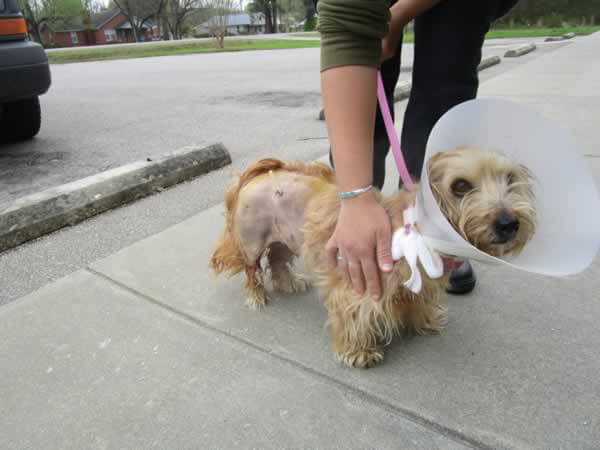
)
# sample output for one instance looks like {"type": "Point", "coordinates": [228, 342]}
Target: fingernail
{"type": "Point", "coordinates": [387, 267]}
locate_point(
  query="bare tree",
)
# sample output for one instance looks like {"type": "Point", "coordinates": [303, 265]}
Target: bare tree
{"type": "Point", "coordinates": [164, 27]}
{"type": "Point", "coordinates": [34, 17]}
{"type": "Point", "coordinates": [54, 13]}
{"type": "Point", "coordinates": [176, 12]}
{"type": "Point", "coordinates": [139, 12]}
{"type": "Point", "coordinates": [92, 6]}
{"type": "Point", "coordinates": [217, 25]}
{"type": "Point", "coordinates": [268, 8]}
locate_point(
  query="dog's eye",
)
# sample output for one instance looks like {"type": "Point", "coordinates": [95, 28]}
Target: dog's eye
{"type": "Point", "coordinates": [461, 187]}
{"type": "Point", "coordinates": [511, 178]}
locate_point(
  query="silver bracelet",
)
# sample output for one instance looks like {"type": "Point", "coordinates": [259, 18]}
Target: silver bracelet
{"type": "Point", "coordinates": [354, 193]}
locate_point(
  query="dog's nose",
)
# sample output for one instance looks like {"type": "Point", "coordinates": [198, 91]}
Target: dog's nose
{"type": "Point", "coordinates": [506, 226]}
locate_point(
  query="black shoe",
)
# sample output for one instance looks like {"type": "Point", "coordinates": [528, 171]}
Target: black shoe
{"type": "Point", "coordinates": [462, 280]}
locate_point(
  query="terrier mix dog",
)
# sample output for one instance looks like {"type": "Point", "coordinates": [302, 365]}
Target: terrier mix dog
{"type": "Point", "coordinates": [285, 210]}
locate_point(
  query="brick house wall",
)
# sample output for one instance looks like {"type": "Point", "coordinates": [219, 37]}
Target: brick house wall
{"type": "Point", "coordinates": [112, 24]}
{"type": "Point", "coordinates": [119, 36]}
{"type": "Point", "coordinates": [64, 38]}
{"type": "Point", "coordinates": [93, 37]}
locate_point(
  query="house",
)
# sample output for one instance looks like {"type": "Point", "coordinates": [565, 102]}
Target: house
{"type": "Point", "coordinates": [107, 27]}
{"type": "Point", "coordinates": [236, 24]}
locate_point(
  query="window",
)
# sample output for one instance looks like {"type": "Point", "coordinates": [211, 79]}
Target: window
{"type": "Point", "coordinates": [110, 35]}
{"type": "Point", "coordinates": [74, 38]}
{"type": "Point", "coordinates": [2, 6]}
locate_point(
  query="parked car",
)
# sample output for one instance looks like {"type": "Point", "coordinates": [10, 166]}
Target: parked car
{"type": "Point", "coordinates": [24, 76]}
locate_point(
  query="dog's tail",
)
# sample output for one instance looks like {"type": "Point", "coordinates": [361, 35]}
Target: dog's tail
{"type": "Point", "coordinates": [228, 255]}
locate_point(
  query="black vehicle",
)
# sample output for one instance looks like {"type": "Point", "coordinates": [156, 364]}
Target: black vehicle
{"type": "Point", "coordinates": [24, 75]}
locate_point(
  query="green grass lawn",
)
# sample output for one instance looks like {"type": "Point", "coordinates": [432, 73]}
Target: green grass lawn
{"type": "Point", "coordinates": [507, 33]}
{"type": "Point", "coordinates": [237, 45]}
{"type": "Point", "coordinates": [307, 34]}
{"type": "Point", "coordinates": [181, 48]}
{"type": "Point", "coordinates": [538, 32]}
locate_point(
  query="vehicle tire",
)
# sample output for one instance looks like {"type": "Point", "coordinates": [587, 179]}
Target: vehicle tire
{"type": "Point", "coordinates": [20, 120]}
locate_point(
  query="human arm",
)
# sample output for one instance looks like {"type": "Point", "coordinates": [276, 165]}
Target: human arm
{"type": "Point", "coordinates": [352, 33]}
{"type": "Point", "coordinates": [401, 13]}
{"type": "Point", "coordinates": [363, 233]}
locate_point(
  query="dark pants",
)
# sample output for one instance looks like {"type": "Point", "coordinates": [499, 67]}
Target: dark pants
{"type": "Point", "coordinates": [448, 42]}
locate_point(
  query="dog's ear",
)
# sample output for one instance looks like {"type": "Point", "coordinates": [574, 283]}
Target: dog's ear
{"type": "Point", "coordinates": [435, 166]}
{"type": "Point", "coordinates": [435, 158]}
{"type": "Point", "coordinates": [526, 174]}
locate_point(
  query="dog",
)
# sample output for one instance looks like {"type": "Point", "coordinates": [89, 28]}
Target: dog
{"type": "Point", "coordinates": [279, 211]}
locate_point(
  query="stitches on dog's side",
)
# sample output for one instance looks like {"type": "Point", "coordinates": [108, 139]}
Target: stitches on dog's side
{"type": "Point", "coordinates": [227, 256]}
{"type": "Point", "coordinates": [233, 255]}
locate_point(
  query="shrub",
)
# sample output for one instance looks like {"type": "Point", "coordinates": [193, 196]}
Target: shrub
{"type": "Point", "coordinates": [310, 24]}
{"type": "Point", "coordinates": [553, 20]}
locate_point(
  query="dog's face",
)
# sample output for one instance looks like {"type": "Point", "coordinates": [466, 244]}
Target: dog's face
{"type": "Point", "coordinates": [486, 197]}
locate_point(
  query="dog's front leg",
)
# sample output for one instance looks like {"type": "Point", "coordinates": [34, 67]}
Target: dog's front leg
{"type": "Point", "coordinates": [354, 330]}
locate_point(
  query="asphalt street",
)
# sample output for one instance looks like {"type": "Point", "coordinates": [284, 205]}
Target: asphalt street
{"type": "Point", "coordinates": [100, 115]}
{"type": "Point", "coordinates": [257, 103]}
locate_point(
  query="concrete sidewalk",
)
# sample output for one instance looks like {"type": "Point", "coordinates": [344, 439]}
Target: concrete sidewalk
{"type": "Point", "coordinates": [145, 349]}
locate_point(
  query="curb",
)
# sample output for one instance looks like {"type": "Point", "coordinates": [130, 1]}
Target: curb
{"type": "Point", "coordinates": [520, 51]}
{"type": "Point", "coordinates": [44, 212]}
{"type": "Point", "coordinates": [488, 62]}
{"type": "Point", "coordinates": [402, 91]}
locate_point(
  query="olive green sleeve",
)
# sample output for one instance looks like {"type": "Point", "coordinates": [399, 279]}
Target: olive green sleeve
{"type": "Point", "coordinates": [351, 31]}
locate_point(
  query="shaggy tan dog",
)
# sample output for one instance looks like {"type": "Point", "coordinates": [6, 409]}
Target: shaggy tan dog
{"type": "Point", "coordinates": [284, 210]}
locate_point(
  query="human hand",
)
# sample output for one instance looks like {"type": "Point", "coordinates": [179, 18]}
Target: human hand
{"type": "Point", "coordinates": [401, 13]}
{"type": "Point", "coordinates": [361, 244]}
{"type": "Point", "coordinates": [389, 44]}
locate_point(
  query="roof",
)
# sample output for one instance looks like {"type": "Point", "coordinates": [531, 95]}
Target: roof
{"type": "Point", "coordinates": [239, 19]}
{"type": "Point", "coordinates": [127, 25]}
{"type": "Point", "coordinates": [99, 19]}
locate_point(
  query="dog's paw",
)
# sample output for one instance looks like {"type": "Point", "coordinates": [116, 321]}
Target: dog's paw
{"type": "Point", "coordinates": [300, 284]}
{"type": "Point", "coordinates": [256, 300]}
{"type": "Point", "coordinates": [362, 359]}
{"type": "Point", "coordinates": [433, 322]}
{"type": "Point", "coordinates": [293, 284]}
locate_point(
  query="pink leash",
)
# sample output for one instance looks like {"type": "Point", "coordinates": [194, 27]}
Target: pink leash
{"type": "Point", "coordinates": [449, 263]}
{"type": "Point", "coordinates": [391, 132]}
